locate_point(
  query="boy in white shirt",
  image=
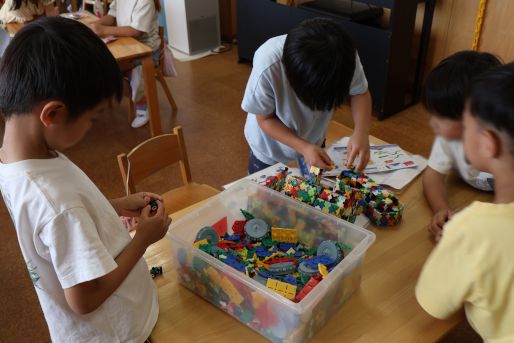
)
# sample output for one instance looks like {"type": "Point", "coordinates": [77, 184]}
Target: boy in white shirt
{"type": "Point", "coordinates": [297, 82]}
{"type": "Point", "coordinates": [471, 267]}
{"type": "Point", "coordinates": [444, 96]}
{"type": "Point", "coordinates": [91, 280]}
{"type": "Point", "coordinates": [138, 19]}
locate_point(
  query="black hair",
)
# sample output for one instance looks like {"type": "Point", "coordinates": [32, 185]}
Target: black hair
{"type": "Point", "coordinates": [319, 61]}
{"type": "Point", "coordinates": [446, 86]}
{"type": "Point", "coordinates": [17, 4]}
{"type": "Point", "coordinates": [491, 99]}
{"type": "Point", "coordinates": [57, 59]}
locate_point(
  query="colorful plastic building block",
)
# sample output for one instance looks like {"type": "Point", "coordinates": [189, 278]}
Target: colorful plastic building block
{"type": "Point", "coordinates": [209, 234]}
{"type": "Point", "coordinates": [277, 182]}
{"type": "Point", "coordinates": [282, 268]}
{"type": "Point", "coordinates": [309, 286]}
{"type": "Point", "coordinates": [331, 250]}
{"type": "Point", "coordinates": [322, 259]}
{"type": "Point", "coordinates": [322, 270]}
{"type": "Point", "coordinates": [221, 226]}
{"type": "Point", "coordinates": [156, 271]}
{"type": "Point", "coordinates": [256, 229]}
{"type": "Point", "coordinates": [299, 189]}
{"type": "Point", "coordinates": [284, 235]}
{"type": "Point", "coordinates": [231, 291]}
{"type": "Point", "coordinates": [153, 205]}
{"type": "Point", "coordinates": [285, 289]}
{"type": "Point", "coordinates": [239, 227]}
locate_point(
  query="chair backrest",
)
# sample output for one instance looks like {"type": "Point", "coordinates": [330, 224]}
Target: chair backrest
{"type": "Point", "coordinates": [151, 156]}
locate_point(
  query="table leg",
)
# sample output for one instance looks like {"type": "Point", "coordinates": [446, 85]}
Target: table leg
{"type": "Point", "coordinates": [151, 96]}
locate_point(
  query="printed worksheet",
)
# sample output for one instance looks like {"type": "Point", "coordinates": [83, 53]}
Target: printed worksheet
{"type": "Point", "coordinates": [383, 158]}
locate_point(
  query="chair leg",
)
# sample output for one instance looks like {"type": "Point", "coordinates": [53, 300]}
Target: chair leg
{"type": "Point", "coordinates": [161, 79]}
{"type": "Point", "coordinates": [127, 91]}
{"type": "Point", "coordinates": [131, 110]}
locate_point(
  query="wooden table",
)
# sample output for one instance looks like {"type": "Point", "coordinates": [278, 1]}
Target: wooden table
{"type": "Point", "coordinates": [127, 49]}
{"type": "Point", "coordinates": [384, 309]}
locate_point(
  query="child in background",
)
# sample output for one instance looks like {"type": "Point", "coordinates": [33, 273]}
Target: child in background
{"type": "Point", "coordinates": [22, 11]}
{"type": "Point", "coordinates": [88, 273]}
{"type": "Point", "coordinates": [138, 19]}
{"type": "Point", "coordinates": [297, 82]}
{"type": "Point", "coordinates": [472, 267]}
{"type": "Point", "coordinates": [443, 96]}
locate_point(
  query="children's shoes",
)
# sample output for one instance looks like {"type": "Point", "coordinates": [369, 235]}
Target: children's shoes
{"type": "Point", "coordinates": [140, 119]}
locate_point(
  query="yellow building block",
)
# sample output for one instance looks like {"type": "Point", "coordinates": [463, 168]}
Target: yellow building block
{"type": "Point", "coordinates": [284, 235]}
{"type": "Point", "coordinates": [283, 288]}
{"type": "Point", "coordinates": [202, 242]}
{"type": "Point", "coordinates": [322, 270]}
{"type": "Point", "coordinates": [231, 291]}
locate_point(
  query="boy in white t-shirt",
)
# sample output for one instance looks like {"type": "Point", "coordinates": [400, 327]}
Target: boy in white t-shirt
{"type": "Point", "coordinates": [297, 82]}
{"type": "Point", "coordinates": [91, 280]}
{"type": "Point", "coordinates": [444, 96]}
{"type": "Point", "coordinates": [138, 19]}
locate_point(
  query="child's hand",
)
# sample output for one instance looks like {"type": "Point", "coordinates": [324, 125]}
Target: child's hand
{"type": "Point", "coordinates": [131, 205]}
{"type": "Point", "coordinates": [318, 157]}
{"type": "Point", "coordinates": [152, 227]}
{"type": "Point", "coordinates": [438, 220]}
{"type": "Point", "coordinates": [358, 147]}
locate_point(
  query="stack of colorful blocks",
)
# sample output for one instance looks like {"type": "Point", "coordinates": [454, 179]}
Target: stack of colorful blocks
{"type": "Point", "coordinates": [354, 193]}
{"type": "Point", "coordinates": [381, 206]}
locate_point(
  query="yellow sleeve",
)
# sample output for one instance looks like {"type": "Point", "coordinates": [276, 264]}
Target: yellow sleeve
{"type": "Point", "coordinates": [447, 276]}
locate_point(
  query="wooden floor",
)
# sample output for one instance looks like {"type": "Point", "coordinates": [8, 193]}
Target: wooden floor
{"type": "Point", "coordinates": [208, 93]}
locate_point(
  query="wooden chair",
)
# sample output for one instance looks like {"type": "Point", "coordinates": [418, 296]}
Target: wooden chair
{"type": "Point", "coordinates": [159, 76]}
{"type": "Point", "coordinates": [156, 153]}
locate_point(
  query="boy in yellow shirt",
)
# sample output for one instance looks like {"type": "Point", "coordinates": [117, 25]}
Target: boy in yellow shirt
{"type": "Point", "coordinates": [472, 266]}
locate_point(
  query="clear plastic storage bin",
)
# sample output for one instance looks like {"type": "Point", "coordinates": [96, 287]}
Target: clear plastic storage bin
{"type": "Point", "coordinates": [263, 310]}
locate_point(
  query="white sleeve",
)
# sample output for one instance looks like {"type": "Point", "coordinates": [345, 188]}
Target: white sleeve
{"type": "Point", "coordinates": [143, 16]}
{"type": "Point", "coordinates": [441, 159]}
{"type": "Point", "coordinates": [359, 84]}
{"type": "Point", "coordinates": [259, 97]}
{"type": "Point", "coordinates": [77, 253]}
{"type": "Point", "coordinates": [112, 9]}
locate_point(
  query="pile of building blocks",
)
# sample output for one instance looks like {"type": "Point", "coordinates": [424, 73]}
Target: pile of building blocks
{"type": "Point", "coordinates": [380, 205]}
{"type": "Point", "coordinates": [272, 256]}
{"type": "Point", "coordinates": [354, 193]}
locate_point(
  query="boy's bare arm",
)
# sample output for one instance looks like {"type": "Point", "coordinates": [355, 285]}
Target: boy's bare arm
{"type": "Point", "coordinates": [313, 154]}
{"type": "Point", "coordinates": [358, 146]}
{"type": "Point", "coordinates": [118, 31]}
{"type": "Point", "coordinates": [88, 296]}
{"type": "Point", "coordinates": [106, 20]}
{"type": "Point", "coordinates": [434, 188]}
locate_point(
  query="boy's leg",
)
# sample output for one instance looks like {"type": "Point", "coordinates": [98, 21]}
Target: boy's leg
{"type": "Point", "coordinates": [255, 165]}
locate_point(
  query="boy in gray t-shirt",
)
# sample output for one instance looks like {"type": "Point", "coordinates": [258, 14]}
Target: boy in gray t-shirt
{"type": "Point", "coordinates": [297, 82]}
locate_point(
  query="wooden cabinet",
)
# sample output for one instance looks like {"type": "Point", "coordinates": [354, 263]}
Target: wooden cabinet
{"type": "Point", "coordinates": [228, 21]}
